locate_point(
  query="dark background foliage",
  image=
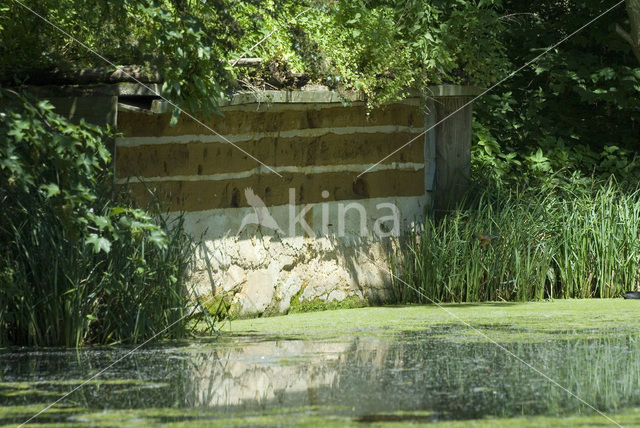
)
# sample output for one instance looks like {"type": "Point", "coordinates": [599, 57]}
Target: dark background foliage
{"type": "Point", "coordinates": [577, 107]}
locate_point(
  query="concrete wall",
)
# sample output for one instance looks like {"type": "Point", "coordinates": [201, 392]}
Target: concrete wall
{"type": "Point", "coordinates": [318, 232]}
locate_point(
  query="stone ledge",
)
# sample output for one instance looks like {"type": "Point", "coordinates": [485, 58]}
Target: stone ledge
{"type": "Point", "coordinates": [315, 95]}
{"type": "Point", "coordinates": [101, 89]}
{"type": "Point", "coordinates": [324, 96]}
{"type": "Point", "coordinates": [454, 91]}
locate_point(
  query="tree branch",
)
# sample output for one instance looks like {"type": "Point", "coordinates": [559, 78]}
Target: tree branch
{"type": "Point", "coordinates": [624, 34]}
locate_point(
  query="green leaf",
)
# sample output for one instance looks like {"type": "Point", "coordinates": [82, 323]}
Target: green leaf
{"type": "Point", "coordinates": [50, 189]}
{"type": "Point", "coordinates": [158, 238]}
{"type": "Point", "coordinates": [174, 117]}
{"type": "Point", "coordinates": [99, 243]}
{"type": "Point", "coordinates": [101, 221]}
{"type": "Point", "coordinates": [117, 211]}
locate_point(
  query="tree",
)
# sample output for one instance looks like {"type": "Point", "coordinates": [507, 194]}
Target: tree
{"type": "Point", "coordinates": [183, 40]}
{"type": "Point", "coordinates": [633, 36]}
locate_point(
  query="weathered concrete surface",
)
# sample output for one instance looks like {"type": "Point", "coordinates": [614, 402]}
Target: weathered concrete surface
{"type": "Point", "coordinates": [96, 103]}
{"type": "Point", "coordinates": [202, 195]}
{"type": "Point", "coordinates": [323, 232]}
{"type": "Point", "coordinates": [99, 110]}
{"type": "Point", "coordinates": [324, 235]}
{"type": "Point", "coordinates": [330, 146]}
{"type": "Point", "coordinates": [264, 271]}
{"type": "Point", "coordinates": [328, 233]}
{"type": "Point", "coordinates": [453, 152]}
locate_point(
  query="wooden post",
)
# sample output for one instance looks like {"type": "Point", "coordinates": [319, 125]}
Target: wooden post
{"type": "Point", "coordinates": [430, 147]}
{"type": "Point", "coordinates": [453, 152]}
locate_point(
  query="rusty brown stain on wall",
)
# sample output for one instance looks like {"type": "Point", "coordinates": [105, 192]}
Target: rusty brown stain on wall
{"type": "Point", "coordinates": [144, 124]}
{"type": "Point", "coordinates": [206, 195]}
{"type": "Point", "coordinates": [197, 158]}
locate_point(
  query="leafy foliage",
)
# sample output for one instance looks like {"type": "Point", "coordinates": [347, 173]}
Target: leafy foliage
{"type": "Point", "coordinates": [576, 108]}
{"type": "Point", "coordinates": [75, 266]}
{"type": "Point", "coordinates": [384, 48]}
{"type": "Point", "coordinates": [546, 144]}
{"type": "Point", "coordinates": [381, 47]}
{"type": "Point", "coordinates": [183, 40]}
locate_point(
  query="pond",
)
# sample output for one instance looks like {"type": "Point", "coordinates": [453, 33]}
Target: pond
{"type": "Point", "coordinates": [369, 366]}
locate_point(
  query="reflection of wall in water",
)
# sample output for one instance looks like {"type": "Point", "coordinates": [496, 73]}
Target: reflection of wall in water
{"type": "Point", "coordinates": [268, 374]}
{"type": "Point", "coordinates": [417, 371]}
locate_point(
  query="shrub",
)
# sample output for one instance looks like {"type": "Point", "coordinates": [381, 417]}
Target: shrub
{"type": "Point", "coordinates": [79, 264]}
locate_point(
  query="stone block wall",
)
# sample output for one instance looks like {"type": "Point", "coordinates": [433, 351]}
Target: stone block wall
{"type": "Point", "coordinates": [309, 227]}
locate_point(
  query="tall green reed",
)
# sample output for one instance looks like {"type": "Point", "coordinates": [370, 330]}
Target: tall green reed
{"type": "Point", "coordinates": [78, 263]}
{"type": "Point", "coordinates": [568, 238]}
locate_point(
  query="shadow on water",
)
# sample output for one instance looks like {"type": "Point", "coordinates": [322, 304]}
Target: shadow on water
{"type": "Point", "coordinates": [411, 376]}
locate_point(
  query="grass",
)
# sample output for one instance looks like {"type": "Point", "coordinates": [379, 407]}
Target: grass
{"type": "Point", "coordinates": [57, 292]}
{"type": "Point", "coordinates": [568, 238]}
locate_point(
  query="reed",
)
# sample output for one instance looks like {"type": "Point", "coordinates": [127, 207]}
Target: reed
{"type": "Point", "coordinates": [78, 263]}
{"type": "Point", "coordinates": [567, 238]}
{"type": "Point", "coordinates": [56, 291]}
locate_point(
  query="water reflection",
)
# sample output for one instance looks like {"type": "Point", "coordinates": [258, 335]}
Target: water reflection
{"type": "Point", "coordinates": [430, 375]}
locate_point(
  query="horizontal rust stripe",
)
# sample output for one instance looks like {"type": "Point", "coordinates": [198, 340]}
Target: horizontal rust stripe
{"type": "Point", "coordinates": [215, 158]}
{"type": "Point", "coordinates": [206, 195]}
{"type": "Point", "coordinates": [146, 124]}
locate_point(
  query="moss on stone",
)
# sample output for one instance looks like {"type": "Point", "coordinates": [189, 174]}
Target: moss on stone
{"type": "Point", "coordinates": [218, 307]}
{"type": "Point", "coordinates": [315, 305]}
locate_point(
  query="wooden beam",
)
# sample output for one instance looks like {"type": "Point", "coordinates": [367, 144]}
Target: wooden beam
{"type": "Point", "coordinates": [246, 62]}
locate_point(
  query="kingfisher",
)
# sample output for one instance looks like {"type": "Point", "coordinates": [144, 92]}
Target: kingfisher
{"type": "Point", "coordinates": [485, 238]}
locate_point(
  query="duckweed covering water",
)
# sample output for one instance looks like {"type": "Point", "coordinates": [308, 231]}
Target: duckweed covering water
{"type": "Point", "coordinates": [369, 366]}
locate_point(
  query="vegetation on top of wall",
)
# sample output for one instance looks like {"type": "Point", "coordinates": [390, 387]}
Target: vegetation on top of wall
{"type": "Point", "coordinates": [379, 47]}
{"type": "Point", "coordinates": [79, 264]}
{"type": "Point", "coordinates": [383, 48]}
